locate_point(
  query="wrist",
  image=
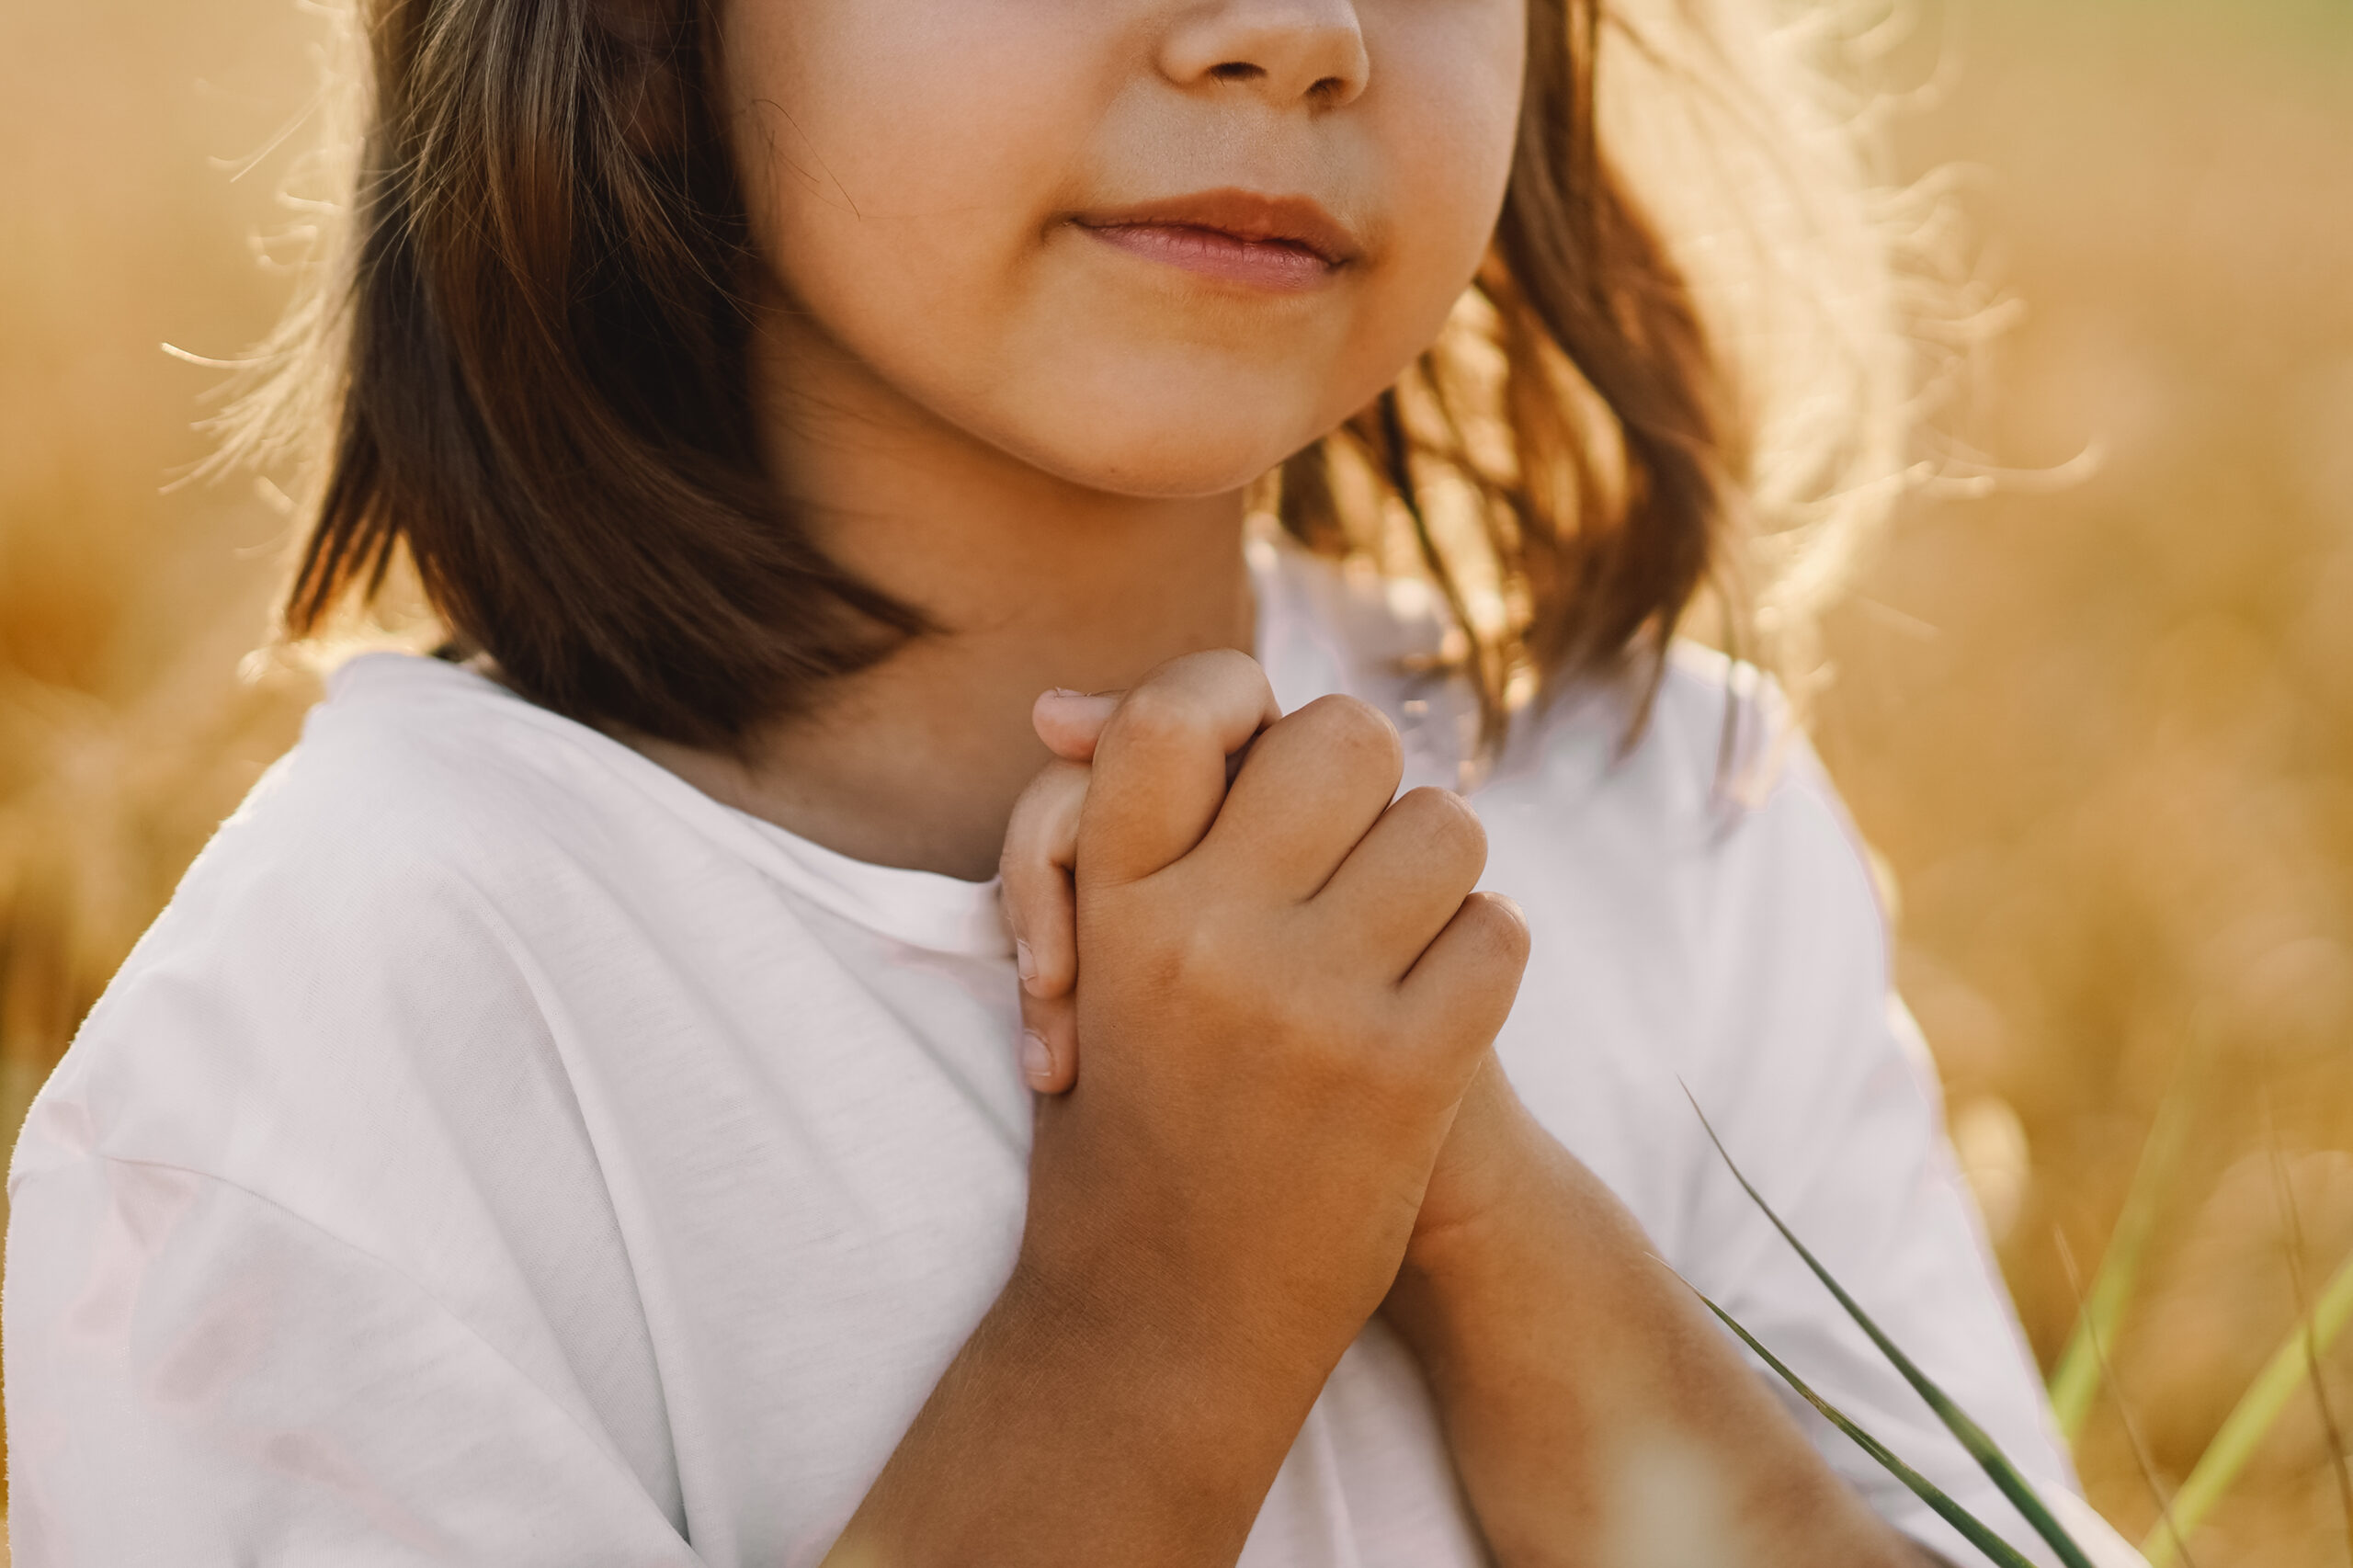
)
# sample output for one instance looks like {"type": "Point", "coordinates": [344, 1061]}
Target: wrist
{"type": "Point", "coordinates": [1493, 1203]}
{"type": "Point", "coordinates": [1167, 1406]}
{"type": "Point", "coordinates": [1478, 1297]}
{"type": "Point", "coordinates": [1074, 1414]}
{"type": "Point", "coordinates": [1176, 1338]}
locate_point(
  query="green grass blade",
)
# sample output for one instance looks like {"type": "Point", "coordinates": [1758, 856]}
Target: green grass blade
{"type": "Point", "coordinates": [1980, 1536]}
{"type": "Point", "coordinates": [2251, 1419]}
{"type": "Point", "coordinates": [2076, 1382]}
{"type": "Point", "coordinates": [2284, 1192]}
{"type": "Point", "coordinates": [2148, 1469]}
{"type": "Point", "coordinates": [1972, 1436]}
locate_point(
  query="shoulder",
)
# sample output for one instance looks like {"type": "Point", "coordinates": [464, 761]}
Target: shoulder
{"type": "Point", "coordinates": [1700, 773]}
{"type": "Point", "coordinates": [354, 919]}
{"type": "Point", "coordinates": [1698, 754]}
{"type": "Point", "coordinates": [1711, 845]}
{"type": "Point", "coordinates": [1704, 786]}
{"type": "Point", "coordinates": [1712, 864]}
{"type": "Point", "coordinates": [1692, 757]}
{"type": "Point", "coordinates": [1690, 855]}
{"type": "Point", "coordinates": [347, 1055]}
{"type": "Point", "coordinates": [418, 788]}
{"type": "Point", "coordinates": [409, 764]}
{"type": "Point", "coordinates": [1738, 769]}
{"type": "Point", "coordinates": [420, 804]}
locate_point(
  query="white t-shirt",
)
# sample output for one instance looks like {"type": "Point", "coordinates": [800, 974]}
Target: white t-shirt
{"type": "Point", "coordinates": [501, 1152]}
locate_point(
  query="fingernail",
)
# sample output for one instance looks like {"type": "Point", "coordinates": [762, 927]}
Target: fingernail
{"type": "Point", "coordinates": [1036, 1061]}
{"type": "Point", "coordinates": [1023, 960]}
{"type": "Point", "coordinates": [1092, 700]}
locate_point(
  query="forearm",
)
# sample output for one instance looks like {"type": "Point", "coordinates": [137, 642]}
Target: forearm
{"type": "Point", "coordinates": [1085, 1432]}
{"type": "Point", "coordinates": [1593, 1412]}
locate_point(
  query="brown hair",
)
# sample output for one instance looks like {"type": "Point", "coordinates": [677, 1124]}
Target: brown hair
{"type": "Point", "coordinates": [543, 395]}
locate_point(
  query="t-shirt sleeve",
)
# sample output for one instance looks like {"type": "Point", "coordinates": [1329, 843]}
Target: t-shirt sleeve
{"type": "Point", "coordinates": [1821, 1090]}
{"type": "Point", "coordinates": [199, 1377]}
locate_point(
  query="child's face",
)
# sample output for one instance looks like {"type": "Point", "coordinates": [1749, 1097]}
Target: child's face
{"type": "Point", "coordinates": [984, 203]}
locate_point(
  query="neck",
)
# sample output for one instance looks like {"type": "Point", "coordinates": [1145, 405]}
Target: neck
{"type": "Point", "coordinates": [1030, 581]}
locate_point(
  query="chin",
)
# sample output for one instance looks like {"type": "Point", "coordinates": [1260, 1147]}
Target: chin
{"type": "Point", "coordinates": [1168, 466]}
{"type": "Point", "coordinates": [1161, 448]}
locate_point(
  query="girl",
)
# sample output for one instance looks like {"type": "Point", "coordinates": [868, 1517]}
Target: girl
{"type": "Point", "coordinates": [578, 1110]}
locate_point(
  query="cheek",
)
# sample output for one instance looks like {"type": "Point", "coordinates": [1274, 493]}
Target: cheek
{"type": "Point", "coordinates": [1452, 150]}
{"type": "Point", "coordinates": [1446, 121]}
{"type": "Point", "coordinates": [1447, 125]}
{"type": "Point", "coordinates": [896, 154]}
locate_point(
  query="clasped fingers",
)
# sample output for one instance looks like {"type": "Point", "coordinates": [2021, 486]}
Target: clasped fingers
{"type": "Point", "coordinates": [1036, 871]}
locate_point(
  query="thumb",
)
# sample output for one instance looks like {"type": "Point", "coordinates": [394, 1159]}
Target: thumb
{"type": "Point", "coordinates": [1070, 723]}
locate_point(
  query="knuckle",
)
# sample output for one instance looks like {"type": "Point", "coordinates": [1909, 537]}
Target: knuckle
{"type": "Point", "coordinates": [1511, 921]}
{"type": "Point", "coordinates": [1061, 795]}
{"type": "Point", "coordinates": [1022, 879]}
{"type": "Point", "coordinates": [1025, 907]}
{"type": "Point", "coordinates": [1041, 803]}
{"type": "Point", "coordinates": [1020, 865]}
{"type": "Point", "coordinates": [1155, 716]}
{"type": "Point", "coordinates": [1500, 929]}
{"type": "Point", "coordinates": [1356, 730]}
{"type": "Point", "coordinates": [1021, 824]}
{"type": "Point", "coordinates": [1024, 831]}
{"type": "Point", "coordinates": [1229, 668]}
{"type": "Point", "coordinates": [1446, 820]}
{"type": "Point", "coordinates": [1195, 959]}
{"type": "Point", "coordinates": [1207, 679]}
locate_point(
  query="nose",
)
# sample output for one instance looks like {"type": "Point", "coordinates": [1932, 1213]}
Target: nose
{"type": "Point", "coordinates": [1286, 51]}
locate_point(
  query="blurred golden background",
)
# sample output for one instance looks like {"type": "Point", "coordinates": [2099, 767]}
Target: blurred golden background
{"type": "Point", "coordinates": [2099, 722]}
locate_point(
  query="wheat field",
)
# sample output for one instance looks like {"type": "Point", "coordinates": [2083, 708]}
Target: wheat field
{"type": "Point", "coordinates": [2098, 723]}
{"type": "Point", "coordinates": [2103, 732]}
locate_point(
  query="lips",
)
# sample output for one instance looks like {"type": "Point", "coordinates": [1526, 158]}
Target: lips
{"type": "Point", "coordinates": [1283, 243]}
